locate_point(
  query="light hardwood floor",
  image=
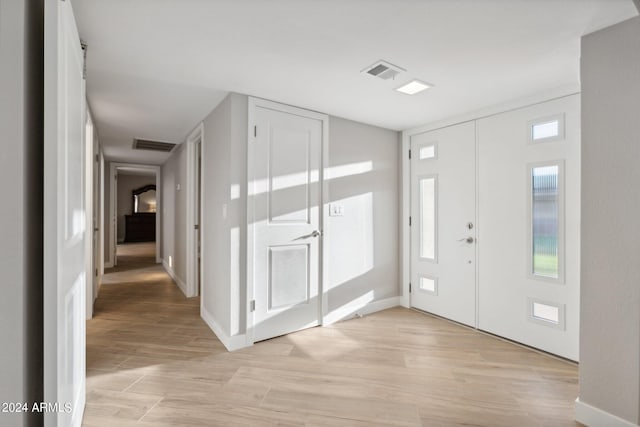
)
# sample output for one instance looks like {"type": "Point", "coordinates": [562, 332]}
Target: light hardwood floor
{"type": "Point", "coordinates": [151, 361]}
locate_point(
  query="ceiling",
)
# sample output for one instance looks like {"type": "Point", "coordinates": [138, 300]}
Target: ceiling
{"type": "Point", "coordinates": [157, 67]}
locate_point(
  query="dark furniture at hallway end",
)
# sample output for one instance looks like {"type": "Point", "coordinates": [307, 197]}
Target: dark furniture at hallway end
{"type": "Point", "coordinates": [140, 227]}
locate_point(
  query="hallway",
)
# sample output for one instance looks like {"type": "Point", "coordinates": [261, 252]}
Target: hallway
{"type": "Point", "coordinates": [151, 361]}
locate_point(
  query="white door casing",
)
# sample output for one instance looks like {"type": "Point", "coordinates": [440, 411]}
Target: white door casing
{"type": "Point", "coordinates": [113, 205]}
{"type": "Point", "coordinates": [194, 210]}
{"type": "Point", "coordinates": [65, 227]}
{"type": "Point", "coordinates": [443, 222]}
{"type": "Point", "coordinates": [285, 219]}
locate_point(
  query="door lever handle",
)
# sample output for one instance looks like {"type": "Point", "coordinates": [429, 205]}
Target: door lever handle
{"type": "Point", "coordinates": [467, 239]}
{"type": "Point", "coordinates": [314, 233]}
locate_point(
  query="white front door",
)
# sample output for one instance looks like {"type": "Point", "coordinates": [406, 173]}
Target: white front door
{"type": "Point", "coordinates": [529, 192]}
{"type": "Point", "coordinates": [443, 229]}
{"type": "Point", "coordinates": [65, 227]}
{"type": "Point", "coordinates": [286, 198]}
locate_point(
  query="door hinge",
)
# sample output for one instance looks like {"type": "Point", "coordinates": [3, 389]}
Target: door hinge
{"type": "Point", "coordinates": [83, 45]}
{"type": "Point", "coordinates": [409, 221]}
{"type": "Point", "coordinates": [255, 131]}
{"type": "Point", "coordinates": [96, 272]}
{"type": "Point", "coordinates": [252, 305]}
{"type": "Point", "coordinates": [409, 154]}
{"type": "Point", "coordinates": [97, 158]}
{"type": "Point", "coordinates": [409, 287]}
{"type": "Point", "coordinates": [196, 227]}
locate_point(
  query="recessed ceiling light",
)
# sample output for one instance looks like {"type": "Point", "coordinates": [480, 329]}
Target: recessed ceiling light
{"type": "Point", "coordinates": [413, 87]}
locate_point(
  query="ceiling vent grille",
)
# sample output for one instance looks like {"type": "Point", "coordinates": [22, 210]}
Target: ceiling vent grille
{"type": "Point", "coordinates": [144, 144]}
{"type": "Point", "coordinates": [383, 70]}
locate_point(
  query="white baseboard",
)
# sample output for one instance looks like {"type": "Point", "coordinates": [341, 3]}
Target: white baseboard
{"type": "Point", "coordinates": [595, 417]}
{"type": "Point", "coordinates": [232, 343]}
{"type": "Point", "coordinates": [175, 278]}
{"type": "Point", "coordinates": [361, 308]}
{"type": "Point", "coordinates": [108, 264]}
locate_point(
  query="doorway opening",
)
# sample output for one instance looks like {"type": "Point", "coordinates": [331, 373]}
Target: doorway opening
{"type": "Point", "coordinates": [134, 203]}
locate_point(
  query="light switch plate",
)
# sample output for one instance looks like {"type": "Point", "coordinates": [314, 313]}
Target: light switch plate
{"type": "Point", "coordinates": [336, 209]}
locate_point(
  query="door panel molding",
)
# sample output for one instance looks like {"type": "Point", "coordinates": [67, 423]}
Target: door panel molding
{"type": "Point", "coordinates": [253, 187]}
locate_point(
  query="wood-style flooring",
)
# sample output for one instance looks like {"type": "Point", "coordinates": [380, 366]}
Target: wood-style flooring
{"type": "Point", "coordinates": [151, 361]}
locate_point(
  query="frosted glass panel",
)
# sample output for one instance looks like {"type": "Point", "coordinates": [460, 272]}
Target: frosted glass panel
{"type": "Point", "coordinates": [428, 218]}
{"type": "Point", "coordinates": [546, 312]}
{"type": "Point", "coordinates": [428, 285]}
{"type": "Point", "coordinates": [549, 129]}
{"type": "Point", "coordinates": [428, 152]}
{"type": "Point", "coordinates": [289, 277]}
{"type": "Point", "coordinates": [545, 220]}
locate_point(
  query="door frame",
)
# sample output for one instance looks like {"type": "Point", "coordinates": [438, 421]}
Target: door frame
{"type": "Point", "coordinates": [91, 242]}
{"type": "Point", "coordinates": [405, 209]}
{"type": "Point", "coordinates": [407, 199]}
{"type": "Point", "coordinates": [113, 234]}
{"type": "Point", "coordinates": [323, 305]}
{"type": "Point", "coordinates": [197, 135]}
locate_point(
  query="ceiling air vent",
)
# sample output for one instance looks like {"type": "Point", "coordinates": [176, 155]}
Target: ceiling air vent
{"type": "Point", "coordinates": [144, 144]}
{"type": "Point", "coordinates": [383, 70]}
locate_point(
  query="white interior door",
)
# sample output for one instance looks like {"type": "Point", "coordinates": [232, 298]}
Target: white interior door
{"type": "Point", "coordinates": [529, 192]}
{"type": "Point", "coordinates": [65, 225]}
{"type": "Point", "coordinates": [287, 150]}
{"type": "Point", "coordinates": [443, 211]}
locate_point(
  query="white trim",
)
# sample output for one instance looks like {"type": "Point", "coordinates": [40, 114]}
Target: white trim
{"type": "Point", "coordinates": [231, 343]}
{"type": "Point", "coordinates": [323, 280]}
{"type": "Point", "coordinates": [358, 309]}
{"type": "Point", "coordinates": [101, 185]}
{"type": "Point", "coordinates": [174, 276]}
{"type": "Point", "coordinates": [89, 236]}
{"type": "Point", "coordinates": [252, 104]}
{"type": "Point", "coordinates": [405, 214]}
{"type": "Point", "coordinates": [108, 265]}
{"type": "Point", "coordinates": [593, 417]}
{"type": "Point", "coordinates": [112, 207]}
{"type": "Point", "coordinates": [196, 136]}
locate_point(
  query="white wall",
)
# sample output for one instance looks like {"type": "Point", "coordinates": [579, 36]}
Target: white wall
{"type": "Point", "coordinates": [173, 208]}
{"type": "Point", "coordinates": [224, 218]}
{"type": "Point", "coordinates": [610, 295]}
{"type": "Point", "coordinates": [21, 171]}
{"type": "Point", "coordinates": [126, 184]}
{"type": "Point", "coordinates": [363, 243]}
{"type": "Point", "coordinates": [363, 265]}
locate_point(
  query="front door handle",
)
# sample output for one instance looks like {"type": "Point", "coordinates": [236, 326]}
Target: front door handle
{"type": "Point", "coordinates": [467, 239]}
{"type": "Point", "coordinates": [314, 233]}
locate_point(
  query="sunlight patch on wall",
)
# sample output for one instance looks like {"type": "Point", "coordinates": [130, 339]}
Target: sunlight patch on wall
{"type": "Point", "coordinates": [261, 185]}
{"type": "Point", "coordinates": [352, 243]}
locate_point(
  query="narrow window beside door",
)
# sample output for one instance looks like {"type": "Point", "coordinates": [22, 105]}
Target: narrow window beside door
{"type": "Point", "coordinates": [546, 221]}
{"type": "Point", "coordinates": [428, 190]}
